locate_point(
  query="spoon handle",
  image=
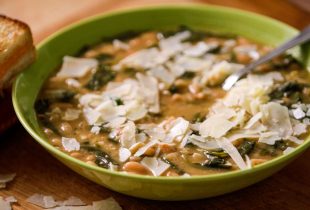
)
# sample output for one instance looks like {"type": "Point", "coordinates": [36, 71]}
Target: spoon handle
{"type": "Point", "coordinates": [302, 37]}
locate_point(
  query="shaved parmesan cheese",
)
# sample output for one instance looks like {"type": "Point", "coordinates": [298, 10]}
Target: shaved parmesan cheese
{"type": "Point", "coordinates": [124, 154]}
{"type": "Point", "coordinates": [116, 122]}
{"type": "Point", "coordinates": [73, 82]}
{"type": "Point", "coordinates": [265, 80]}
{"type": "Point", "coordinates": [76, 67]}
{"type": "Point", "coordinates": [143, 149]}
{"type": "Point", "coordinates": [141, 137]}
{"type": "Point", "coordinates": [145, 59]}
{"type": "Point", "coordinates": [197, 50]}
{"type": "Point", "coordinates": [215, 126]}
{"type": "Point", "coordinates": [219, 72]}
{"type": "Point", "coordinates": [71, 114]}
{"type": "Point", "coordinates": [269, 137]}
{"type": "Point", "coordinates": [202, 142]}
{"type": "Point", "coordinates": [42, 201]}
{"type": "Point", "coordinates": [5, 203]}
{"type": "Point", "coordinates": [156, 166]}
{"type": "Point", "coordinates": [298, 113]}
{"type": "Point", "coordinates": [118, 44]}
{"type": "Point", "coordinates": [249, 50]}
{"type": "Point", "coordinates": [107, 204]}
{"type": "Point", "coordinates": [10, 199]}
{"type": "Point", "coordinates": [298, 127]}
{"type": "Point", "coordinates": [92, 116]}
{"type": "Point", "coordinates": [288, 150]}
{"type": "Point", "coordinates": [173, 44]}
{"type": "Point", "coordinates": [72, 201]}
{"type": "Point", "coordinates": [276, 118]}
{"type": "Point", "coordinates": [5, 178]}
{"type": "Point", "coordinates": [70, 144]}
{"type": "Point", "coordinates": [135, 110]}
{"type": "Point", "coordinates": [90, 207]}
{"type": "Point", "coordinates": [253, 120]}
{"type": "Point", "coordinates": [90, 100]}
{"type": "Point", "coordinates": [149, 85]}
{"type": "Point", "coordinates": [128, 135]}
{"type": "Point", "coordinates": [178, 129]}
{"type": "Point", "coordinates": [162, 74]}
{"type": "Point", "coordinates": [221, 110]}
{"type": "Point", "coordinates": [233, 152]}
{"type": "Point", "coordinates": [192, 64]}
{"type": "Point", "coordinates": [95, 129]}
{"type": "Point", "coordinates": [295, 140]}
{"type": "Point", "coordinates": [248, 161]}
{"type": "Point", "coordinates": [109, 111]}
{"type": "Point", "coordinates": [235, 136]}
{"type": "Point", "coordinates": [185, 139]}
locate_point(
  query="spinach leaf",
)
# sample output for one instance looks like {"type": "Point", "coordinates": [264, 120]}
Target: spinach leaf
{"type": "Point", "coordinates": [290, 92]}
{"type": "Point", "coordinates": [246, 147]}
{"type": "Point", "coordinates": [102, 76]}
{"type": "Point", "coordinates": [215, 50]}
{"type": "Point", "coordinates": [198, 117]}
{"type": "Point", "coordinates": [102, 158]}
{"type": "Point", "coordinates": [173, 166]}
{"type": "Point", "coordinates": [173, 89]}
{"type": "Point", "coordinates": [48, 124]}
{"type": "Point", "coordinates": [42, 105]}
{"type": "Point", "coordinates": [119, 101]}
{"type": "Point", "coordinates": [216, 162]}
{"type": "Point", "coordinates": [103, 57]}
{"type": "Point", "coordinates": [282, 145]}
{"type": "Point", "coordinates": [219, 153]}
{"type": "Point", "coordinates": [188, 75]}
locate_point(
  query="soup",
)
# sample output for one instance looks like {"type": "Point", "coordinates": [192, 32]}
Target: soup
{"type": "Point", "coordinates": [151, 103]}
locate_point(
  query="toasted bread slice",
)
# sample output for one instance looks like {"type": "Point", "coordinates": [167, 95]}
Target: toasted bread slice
{"type": "Point", "coordinates": [16, 49]}
{"type": "Point", "coordinates": [16, 53]}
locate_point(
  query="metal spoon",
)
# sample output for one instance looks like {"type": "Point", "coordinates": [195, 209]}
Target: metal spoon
{"type": "Point", "coordinates": [302, 37]}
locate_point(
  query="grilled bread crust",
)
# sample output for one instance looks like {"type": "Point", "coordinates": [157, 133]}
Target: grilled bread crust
{"type": "Point", "coordinates": [16, 53]}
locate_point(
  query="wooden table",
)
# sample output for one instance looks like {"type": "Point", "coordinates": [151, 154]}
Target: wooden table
{"type": "Point", "coordinates": [39, 172]}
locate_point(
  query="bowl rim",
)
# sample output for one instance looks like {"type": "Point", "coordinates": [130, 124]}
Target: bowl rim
{"type": "Point", "coordinates": [197, 178]}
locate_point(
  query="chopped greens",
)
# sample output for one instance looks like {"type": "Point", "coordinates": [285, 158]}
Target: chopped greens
{"type": "Point", "coordinates": [216, 162]}
{"type": "Point", "coordinates": [246, 147]}
{"type": "Point", "coordinates": [289, 92]}
{"type": "Point", "coordinates": [59, 95]}
{"type": "Point", "coordinates": [42, 105]}
{"type": "Point", "coordinates": [188, 75]}
{"type": "Point", "coordinates": [282, 145]}
{"type": "Point", "coordinates": [219, 153]}
{"type": "Point", "coordinates": [173, 166]}
{"type": "Point", "coordinates": [198, 117]}
{"type": "Point", "coordinates": [102, 57]}
{"type": "Point", "coordinates": [215, 50]}
{"type": "Point", "coordinates": [48, 124]}
{"type": "Point", "coordinates": [102, 158]}
{"type": "Point", "coordinates": [119, 101]}
{"type": "Point", "coordinates": [102, 76]}
{"type": "Point", "coordinates": [174, 89]}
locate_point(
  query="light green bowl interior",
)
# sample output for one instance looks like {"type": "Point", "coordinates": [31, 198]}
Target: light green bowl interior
{"type": "Point", "coordinates": [71, 39]}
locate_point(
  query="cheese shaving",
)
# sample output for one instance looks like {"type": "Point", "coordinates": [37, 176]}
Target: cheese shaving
{"type": "Point", "coordinates": [233, 152]}
{"type": "Point", "coordinates": [70, 144]}
{"type": "Point", "coordinates": [156, 166]}
{"type": "Point", "coordinates": [76, 67]}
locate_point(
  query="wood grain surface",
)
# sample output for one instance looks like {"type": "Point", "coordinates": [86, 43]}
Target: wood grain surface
{"type": "Point", "coordinates": [39, 172]}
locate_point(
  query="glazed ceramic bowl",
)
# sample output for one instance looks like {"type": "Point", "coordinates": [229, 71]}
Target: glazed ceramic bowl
{"type": "Point", "coordinates": [71, 39]}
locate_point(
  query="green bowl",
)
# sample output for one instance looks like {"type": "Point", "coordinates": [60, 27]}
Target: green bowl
{"type": "Point", "coordinates": [69, 40]}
